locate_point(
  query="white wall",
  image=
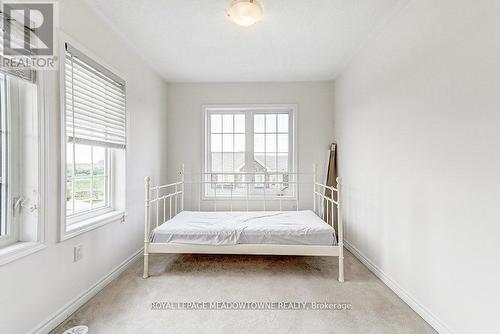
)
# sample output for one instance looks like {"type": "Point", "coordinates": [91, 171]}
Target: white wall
{"type": "Point", "coordinates": [417, 121]}
{"type": "Point", "coordinates": [185, 132]}
{"type": "Point", "coordinates": [34, 288]}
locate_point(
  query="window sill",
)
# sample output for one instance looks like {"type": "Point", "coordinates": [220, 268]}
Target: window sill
{"type": "Point", "coordinates": [19, 250]}
{"type": "Point", "coordinates": [90, 224]}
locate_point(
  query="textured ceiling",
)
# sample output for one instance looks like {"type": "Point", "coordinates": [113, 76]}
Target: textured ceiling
{"type": "Point", "coordinates": [193, 41]}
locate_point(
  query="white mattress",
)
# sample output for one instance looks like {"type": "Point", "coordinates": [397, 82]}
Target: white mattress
{"type": "Point", "coordinates": [255, 227]}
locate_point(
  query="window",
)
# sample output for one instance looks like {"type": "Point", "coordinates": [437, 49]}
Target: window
{"type": "Point", "coordinates": [250, 151]}
{"type": "Point", "coordinates": [22, 149]}
{"type": "Point", "coordinates": [4, 225]}
{"type": "Point", "coordinates": [95, 142]}
{"type": "Point", "coordinates": [19, 158]}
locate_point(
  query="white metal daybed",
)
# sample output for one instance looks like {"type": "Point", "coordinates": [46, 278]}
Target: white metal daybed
{"type": "Point", "coordinates": [293, 232]}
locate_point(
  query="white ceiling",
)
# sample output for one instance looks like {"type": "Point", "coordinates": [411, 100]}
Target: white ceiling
{"type": "Point", "coordinates": [297, 40]}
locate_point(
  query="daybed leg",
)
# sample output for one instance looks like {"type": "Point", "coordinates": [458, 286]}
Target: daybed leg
{"type": "Point", "coordinates": [341, 266]}
{"type": "Point", "coordinates": [340, 227]}
{"type": "Point", "coordinates": [147, 230]}
{"type": "Point", "coordinates": [146, 265]}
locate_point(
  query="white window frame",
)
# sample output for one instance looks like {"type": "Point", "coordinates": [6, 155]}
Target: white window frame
{"type": "Point", "coordinates": [8, 220]}
{"type": "Point", "coordinates": [249, 110]}
{"type": "Point", "coordinates": [85, 222]}
{"type": "Point", "coordinates": [15, 249]}
{"type": "Point", "coordinates": [83, 216]}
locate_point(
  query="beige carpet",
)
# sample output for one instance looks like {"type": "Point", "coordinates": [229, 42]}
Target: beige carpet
{"type": "Point", "coordinates": [124, 306]}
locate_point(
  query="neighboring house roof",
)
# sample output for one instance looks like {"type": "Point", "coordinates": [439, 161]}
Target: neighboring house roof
{"type": "Point", "coordinates": [260, 165]}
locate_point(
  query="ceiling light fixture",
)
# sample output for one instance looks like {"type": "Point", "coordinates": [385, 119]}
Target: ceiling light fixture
{"type": "Point", "coordinates": [245, 12]}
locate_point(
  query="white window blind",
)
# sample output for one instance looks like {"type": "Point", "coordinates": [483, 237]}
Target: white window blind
{"type": "Point", "coordinates": [95, 102]}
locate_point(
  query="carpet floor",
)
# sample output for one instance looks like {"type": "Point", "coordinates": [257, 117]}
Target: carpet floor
{"type": "Point", "coordinates": [125, 305]}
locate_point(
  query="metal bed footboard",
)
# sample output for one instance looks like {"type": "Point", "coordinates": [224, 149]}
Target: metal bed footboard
{"type": "Point", "coordinates": [158, 198]}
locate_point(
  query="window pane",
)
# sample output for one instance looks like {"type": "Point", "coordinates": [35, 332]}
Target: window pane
{"type": "Point", "coordinates": [69, 197]}
{"type": "Point", "coordinates": [260, 160]}
{"type": "Point", "coordinates": [99, 192]}
{"type": "Point", "coordinates": [99, 160]}
{"type": "Point", "coordinates": [216, 162]}
{"type": "Point", "coordinates": [227, 123]}
{"type": "Point", "coordinates": [283, 163]}
{"type": "Point", "coordinates": [216, 123]}
{"type": "Point", "coordinates": [270, 142]}
{"type": "Point", "coordinates": [239, 143]}
{"type": "Point", "coordinates": [239, 123]}
{"type": "Point", "coordinates": [228, 178]}
{"type": "Point", "coordinates": [239, 162]}
{"type": "Point", "coordinates": [69, 159]}
{"type": "Point", "coordinates": [258, 123]}
{"type": "Point", "coordinates": [227, 162]}
{"type": "Point", "coordinates": [214, 178]}
{"type": "Point", "coordinates": [273, 178]}
{"type": "Point", "coordinates": [90, 191]}
{"type": "Point", "coordinates": [271, 163]}
{"type": "Point", "coordinates": [259, 178]}
{"type": "Point", "coordinates": [227, 143]}
{"type": "Point", "coordinates": [271, 123]}
{"type": "Point", "coordinates": [282, 143]}
{"type": "Point", "coordinates": [282, 122]}
{"type": "Point", "coordinates": [239, 186]}
{"type": "Point", "coordinates": [19, 143]}
{"type": "Point", "coordinates": [216, 143]}
{"type": "Point", "coordinates": [259, 142]}
{"type": "Point", "coordinates": [82, 194]}
{"type": "Point", "coordinates": [3, 220]}
{"type": "Point", "coordinates": [83, 160]}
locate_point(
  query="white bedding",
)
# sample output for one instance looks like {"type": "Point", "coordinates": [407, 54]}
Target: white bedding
{"type": "Point", "coordinates": [255, 227]}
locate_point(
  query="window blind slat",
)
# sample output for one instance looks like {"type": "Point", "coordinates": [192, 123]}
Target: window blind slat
{"type": "Point", "coordinates": [94, 143]}
{"type": "Point", "coordinates": [92, 130]}
{"type": "Point", "coordinates": [95, 80]}
{"type": "Point", "coordinates": [82, 114]}
{"type": "Point", "coordinates": [105, 100]}
{"type": "Point", "coordinates": [94, 66]}
{"type": "Point", "coordinates": [92, 133]}
{"type": "Point", "coordinates": [92, 75]}
{"type": "Point", "coordinates": [90, 113]}
{"type": "Point", "coordinates": [85, 124]}
{"type": "Point", "coordinates": [84, 80]}
{"type": "Point", "coordinates": [89, 89]}
{"type": "Point", "coordinates": [94, 102]}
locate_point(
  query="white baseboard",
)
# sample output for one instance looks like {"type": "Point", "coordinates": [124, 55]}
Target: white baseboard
{"type": "Point", "coordinates": [423, 311]}
{"type": "Point", "coordinates": [63, 313]}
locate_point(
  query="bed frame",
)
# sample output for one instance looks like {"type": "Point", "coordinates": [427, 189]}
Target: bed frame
{"type": "Point", "coordinates": [174, 197]}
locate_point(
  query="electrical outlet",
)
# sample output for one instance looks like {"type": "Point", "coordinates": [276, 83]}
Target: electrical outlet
{"type": "Point", "coordinates": [77, 253]}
